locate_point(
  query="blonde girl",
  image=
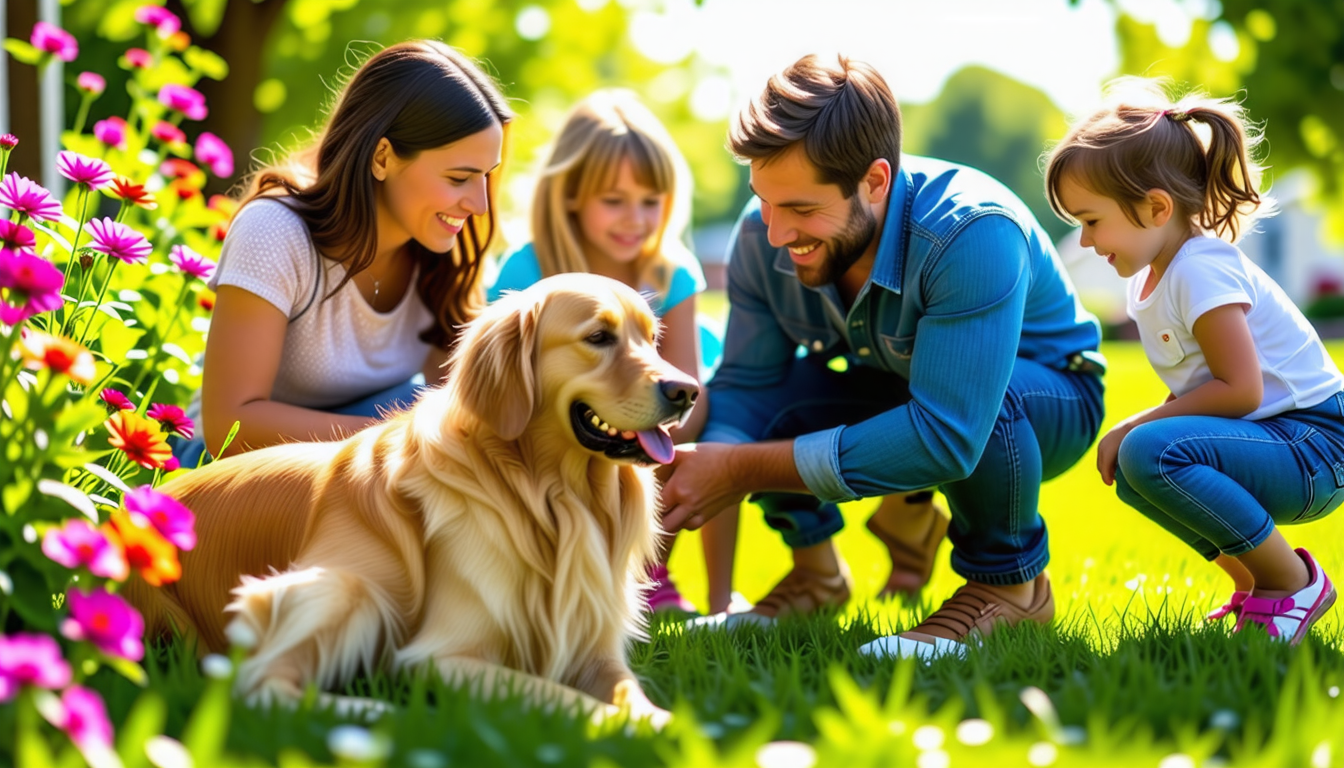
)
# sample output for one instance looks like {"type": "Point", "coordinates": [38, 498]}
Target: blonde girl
{"type": "Point", "coordinates": [614, 199]}
{"type": "Point", "coordinates": [1252, 434]}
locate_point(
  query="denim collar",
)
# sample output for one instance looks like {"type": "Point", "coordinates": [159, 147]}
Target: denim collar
{"type": "Point", "coordinates": [888, 268]}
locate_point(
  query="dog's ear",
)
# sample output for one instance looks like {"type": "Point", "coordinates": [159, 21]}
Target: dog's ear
{"type": "Point", "coordinates": [495, 372]}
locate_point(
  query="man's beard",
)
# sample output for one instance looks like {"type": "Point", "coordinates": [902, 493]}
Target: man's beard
{"type": "Point", "coordinates": [844, 249]}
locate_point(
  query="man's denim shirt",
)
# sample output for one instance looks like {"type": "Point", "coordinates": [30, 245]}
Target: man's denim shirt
{"type": "Point", "coordinates": [963, 265]}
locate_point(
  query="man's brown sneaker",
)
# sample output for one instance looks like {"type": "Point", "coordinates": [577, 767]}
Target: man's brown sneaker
{"type": "Point", "coordinates": [975, 610]}
{"type": "Point", "coordinates": [912, 561]}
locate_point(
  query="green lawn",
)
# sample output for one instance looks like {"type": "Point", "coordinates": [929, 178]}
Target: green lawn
{"type": "Point", "coordinates": [1127, 676]}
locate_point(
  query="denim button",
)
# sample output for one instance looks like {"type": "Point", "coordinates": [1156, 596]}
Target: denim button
{"type": "Point", "coordinates": [864, 351]}
{"type": "Point", "coordinates": [817, 346]}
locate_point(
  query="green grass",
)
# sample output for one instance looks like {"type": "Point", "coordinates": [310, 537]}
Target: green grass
{"type": "Point", "coordinates": [1128, 675]}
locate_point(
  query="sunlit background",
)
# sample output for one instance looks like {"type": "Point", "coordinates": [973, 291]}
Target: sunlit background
{"type": "Point", "coordinates": [989, 83]}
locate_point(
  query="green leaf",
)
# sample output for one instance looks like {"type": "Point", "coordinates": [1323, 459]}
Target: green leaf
{"type": "Point", "coordinates": [143, 723]}
{"type": "Point", "coordinates": [32, 596]}
{"type": "Point", "coordinates": [77, 418]}
{"type": "Point", "coordinates": [84, 144]}
{"type": "Point", "coordinates": [16, 494]}
{"type": "Point", "coordinates": [208, 63]}
{"type": "Point", "coordinates": [115, 340]}
{"type": "Point", "coordinates": [127, 669]}
{"type": "Point", "coordinates": [205, 15]}
{"type": "Point", "coordinates": [23, 51]}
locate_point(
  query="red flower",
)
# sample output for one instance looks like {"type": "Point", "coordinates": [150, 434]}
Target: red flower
{"type": "Point", "coordinates": [123, 188]}
{"type": "Point", "coordinates": [172, 418]}
{"type": "Point", "coordinates": [116, 401]}
{"type": "Point", "coordinates": [168, 133]}
{"type": "Point", "coordinates": [41, 350]}
{"type": "Point", "coordinates": [138, 58]}
{"type": "Point", "coordinates": [147, 551]}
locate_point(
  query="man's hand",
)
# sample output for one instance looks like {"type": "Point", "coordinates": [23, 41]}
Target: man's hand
{"type": "Point", "coordinates": [701, 485]}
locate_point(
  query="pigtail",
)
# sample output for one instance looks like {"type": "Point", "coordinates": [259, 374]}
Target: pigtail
{"type": "Point", "coordinates": [1232, 203]}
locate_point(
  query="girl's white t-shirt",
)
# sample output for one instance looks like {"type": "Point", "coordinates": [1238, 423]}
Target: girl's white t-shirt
{"type": "Point", "coordinates": [1207, 273]}
{"type": "Point", "coordinates": [338, 350]}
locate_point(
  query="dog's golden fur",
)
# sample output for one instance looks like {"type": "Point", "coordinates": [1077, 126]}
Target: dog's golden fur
{"type": "Point", "coordinates": [472, 531]}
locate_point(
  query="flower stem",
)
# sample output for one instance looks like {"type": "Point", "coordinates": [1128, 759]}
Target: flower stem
{"type": "Point", "coordinates": [83, 113]}
{"type": "Point", "coordinates": [160, 338]}
{"type": "Point", "coordinates": [93, 313]}
{"type": "Point", "coordinates": [74, 256]}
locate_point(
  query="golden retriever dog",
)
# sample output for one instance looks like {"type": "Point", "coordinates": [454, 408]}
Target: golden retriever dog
{"type": "Point", "coordinates": [499, 529]}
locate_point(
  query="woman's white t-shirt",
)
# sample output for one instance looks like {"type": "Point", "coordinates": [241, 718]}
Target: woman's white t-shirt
{"type": "Point", "coordinates": [1207, 273]}
{"type": "Point", "coordinates": [337, 350]}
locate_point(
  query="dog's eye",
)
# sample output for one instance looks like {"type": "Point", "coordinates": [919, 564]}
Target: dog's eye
{"type": "Point", "coordinates": [601, 338]}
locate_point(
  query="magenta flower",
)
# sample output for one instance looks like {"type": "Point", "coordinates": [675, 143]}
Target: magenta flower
{"type": "Point", "coordinates": [8, 141]}
{"type": "Point", "coordinates": [173, 419]}
{"type": "Point", "coordinates": [16, 237]}
{"type": "Point", "coordinates": [116, 401]}
{"type": "Point", "coordinates": [31, 659]}
{"type": "Point", "coordinates": [29, 285]}
{"type": "Point", "coordinates": [78, 544]}
{"type": "Point", "coordinates": [171, 464]}
{"type": "Point", "coordinates": [91, 83]}
{"type": "Point", "coordinates": [107, 621]}
{"type": "Point", "coordinates": [22, 194]}
{"type": "Point", "coordinates": [54, 40]}
{"type": "Point", "coordinates": [118, 240]}
{"type": "Point", "coordinates": [191, 262]}
{"type": "Point", "coordinates": [211, 150]}
{"type": "Point", "coordinates": [84, 719]}
{"type": "Point", "coordinates": [180, 98]}
{"type": "Point", "coordinates": [164, 21]}
{"type": "Point", "coordinates": [168, 516]}
{"type": "Point", "coordinates": [138, 58]}
{"type": "Point", "coordinates": [111, 132]}
{"type": "Point", "coordinates": [168, 133]}
{"type": "Point", "coordinates": [92, 172]}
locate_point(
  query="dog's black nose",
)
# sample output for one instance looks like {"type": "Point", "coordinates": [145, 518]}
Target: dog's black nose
{"type": "Point", "coordinates": [679, 392]}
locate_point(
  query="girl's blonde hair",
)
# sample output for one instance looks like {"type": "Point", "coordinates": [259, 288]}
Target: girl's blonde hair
{"type": "Point", "coordinates": [602, 130]}
{"type": "Point", "coordinates": [1198, 149]}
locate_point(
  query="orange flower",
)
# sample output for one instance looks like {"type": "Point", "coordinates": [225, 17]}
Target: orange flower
{"type": "Point", "coordinates": [147, 551]}
{"type": "Point", "coordinates": [123, 188]}
{"type": "Point", "coordinates": [42, 350]}
{"type": "Point", "coordinates": [139, 437]}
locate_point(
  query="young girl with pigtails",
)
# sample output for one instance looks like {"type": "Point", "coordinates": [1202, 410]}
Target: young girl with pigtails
{"type": "Point", "coordinates": [1252, 435]}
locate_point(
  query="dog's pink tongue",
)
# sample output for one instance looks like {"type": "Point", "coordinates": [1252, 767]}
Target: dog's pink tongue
{"type": "Point", "coordinates": [656, 443]}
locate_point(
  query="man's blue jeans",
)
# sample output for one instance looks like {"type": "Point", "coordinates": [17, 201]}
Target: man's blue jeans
{"type": "Point", "coordinates": [1046, 421]}
{"type": "Point", "coordinates": [1221, 484]}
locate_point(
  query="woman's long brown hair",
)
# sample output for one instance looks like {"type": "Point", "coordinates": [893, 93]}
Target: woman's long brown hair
{"type": "Point", "coordinates": [419, 95]}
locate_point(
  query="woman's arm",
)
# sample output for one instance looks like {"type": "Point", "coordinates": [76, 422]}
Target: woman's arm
{"type": "Point", "coordinates": [242, 357]}
{"type": "Point", "coordinates": [680, 346]}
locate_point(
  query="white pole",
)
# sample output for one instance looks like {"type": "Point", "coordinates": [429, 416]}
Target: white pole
{"type": "Point", "coordinates": [4, 72]}
{"type": "Point", "coordinates": [52, 100]}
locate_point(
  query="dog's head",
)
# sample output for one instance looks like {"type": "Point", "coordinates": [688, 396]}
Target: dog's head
{"type": "Point", "coordinates": [575, 353]}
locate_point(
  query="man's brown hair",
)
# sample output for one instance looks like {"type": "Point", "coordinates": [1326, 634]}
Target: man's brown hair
{"type": "Point", "coordinates": [844, 114]}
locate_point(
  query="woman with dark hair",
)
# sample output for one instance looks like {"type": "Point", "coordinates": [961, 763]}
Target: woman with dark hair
{"type": "Point", "coordinates": [349, 264]}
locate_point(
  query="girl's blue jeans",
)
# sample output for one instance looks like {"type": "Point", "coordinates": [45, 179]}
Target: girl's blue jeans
{"type": "Point", "coordinates": [1047, 420]}
{"type": "Point", "coordinates": [191, 453]}
{"type": "Point", "coordinates": [1221, 484]}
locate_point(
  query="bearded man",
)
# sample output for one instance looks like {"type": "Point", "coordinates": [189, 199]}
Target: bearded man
{"type": "Point", "coordinates": [969, 365]}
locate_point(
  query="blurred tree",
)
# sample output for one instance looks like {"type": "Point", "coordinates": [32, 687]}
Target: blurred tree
{"type": "Point", "coordinates": [987, 120]}
{"type": "Point", "coordinates": [1288, 56]}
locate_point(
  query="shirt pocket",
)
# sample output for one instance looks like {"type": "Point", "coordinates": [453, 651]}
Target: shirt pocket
{"type": "Point", "coordinates": [1165, 348]}
{"type": "Point", "coordinates": [899, 347]}
{"type": "Point", "coordinates": [813, 338]}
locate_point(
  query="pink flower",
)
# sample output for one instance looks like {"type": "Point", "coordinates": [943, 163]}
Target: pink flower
{"type": "Point", "coordinates": [31, 659]}
{"type": "Point", "coordinates": [78, 544]}
{"type": "Point", "coordinates": [8, 141]}
{"type": "Point", "coordinates": [16, 237]}
{"type": "Point", "coordinates": [169, 517]}
{"type": "Point", "coordinates": [172, 464]}
{"type": "Point", "coordinates": [177, 168]}
{"type": "Point", "coordinates": [118, 240]}
{"type": "Point", "coordinates": [172, 418]}
{"type": "Point", "coordinates": [91, 83]}
{"type": "Point", "coordinates": [138, 58]}
{"type": "Point", "coordinates": [29, 285]}
{"type": "Point", "coordinates": [22, 194]}
{"type": "Point", "coordinates": [191, 262]}
{"type": "Point", "coordinates": [180, 98]}
{"type": "Point", "coordinates": [52, 39]}
{"type": "Point", "coordinates": [111, 132]}
{"type": "Point", "coordinates": [116, 401]}
{"type": "Point", "coordinates": [84, 170]}
{"type": "Point", "coordinates": [107, 621]}
{"type": "Point", "coordinates": [211, 150]}
{"type": "Point", "coordinates": [168, 133]}
{"type": "Point", "coordinates": [84, 719]}
{"type": "Point", "coordinates": [165, 23]}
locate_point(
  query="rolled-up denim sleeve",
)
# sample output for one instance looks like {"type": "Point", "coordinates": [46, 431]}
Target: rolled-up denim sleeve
{"type": "Point", "coordinates": [966, 344]}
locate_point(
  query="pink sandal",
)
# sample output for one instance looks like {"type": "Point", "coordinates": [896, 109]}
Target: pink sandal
{"type": "Point", "coordinates": [1290, 618]}
{"type": "Point", "coordinates": [665, 596]}
{"type": "Point", "coordinates": [1231, 607]}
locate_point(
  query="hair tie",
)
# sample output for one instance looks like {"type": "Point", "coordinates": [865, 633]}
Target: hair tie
{"type": "Point", "coordinates": [1176, 116]}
